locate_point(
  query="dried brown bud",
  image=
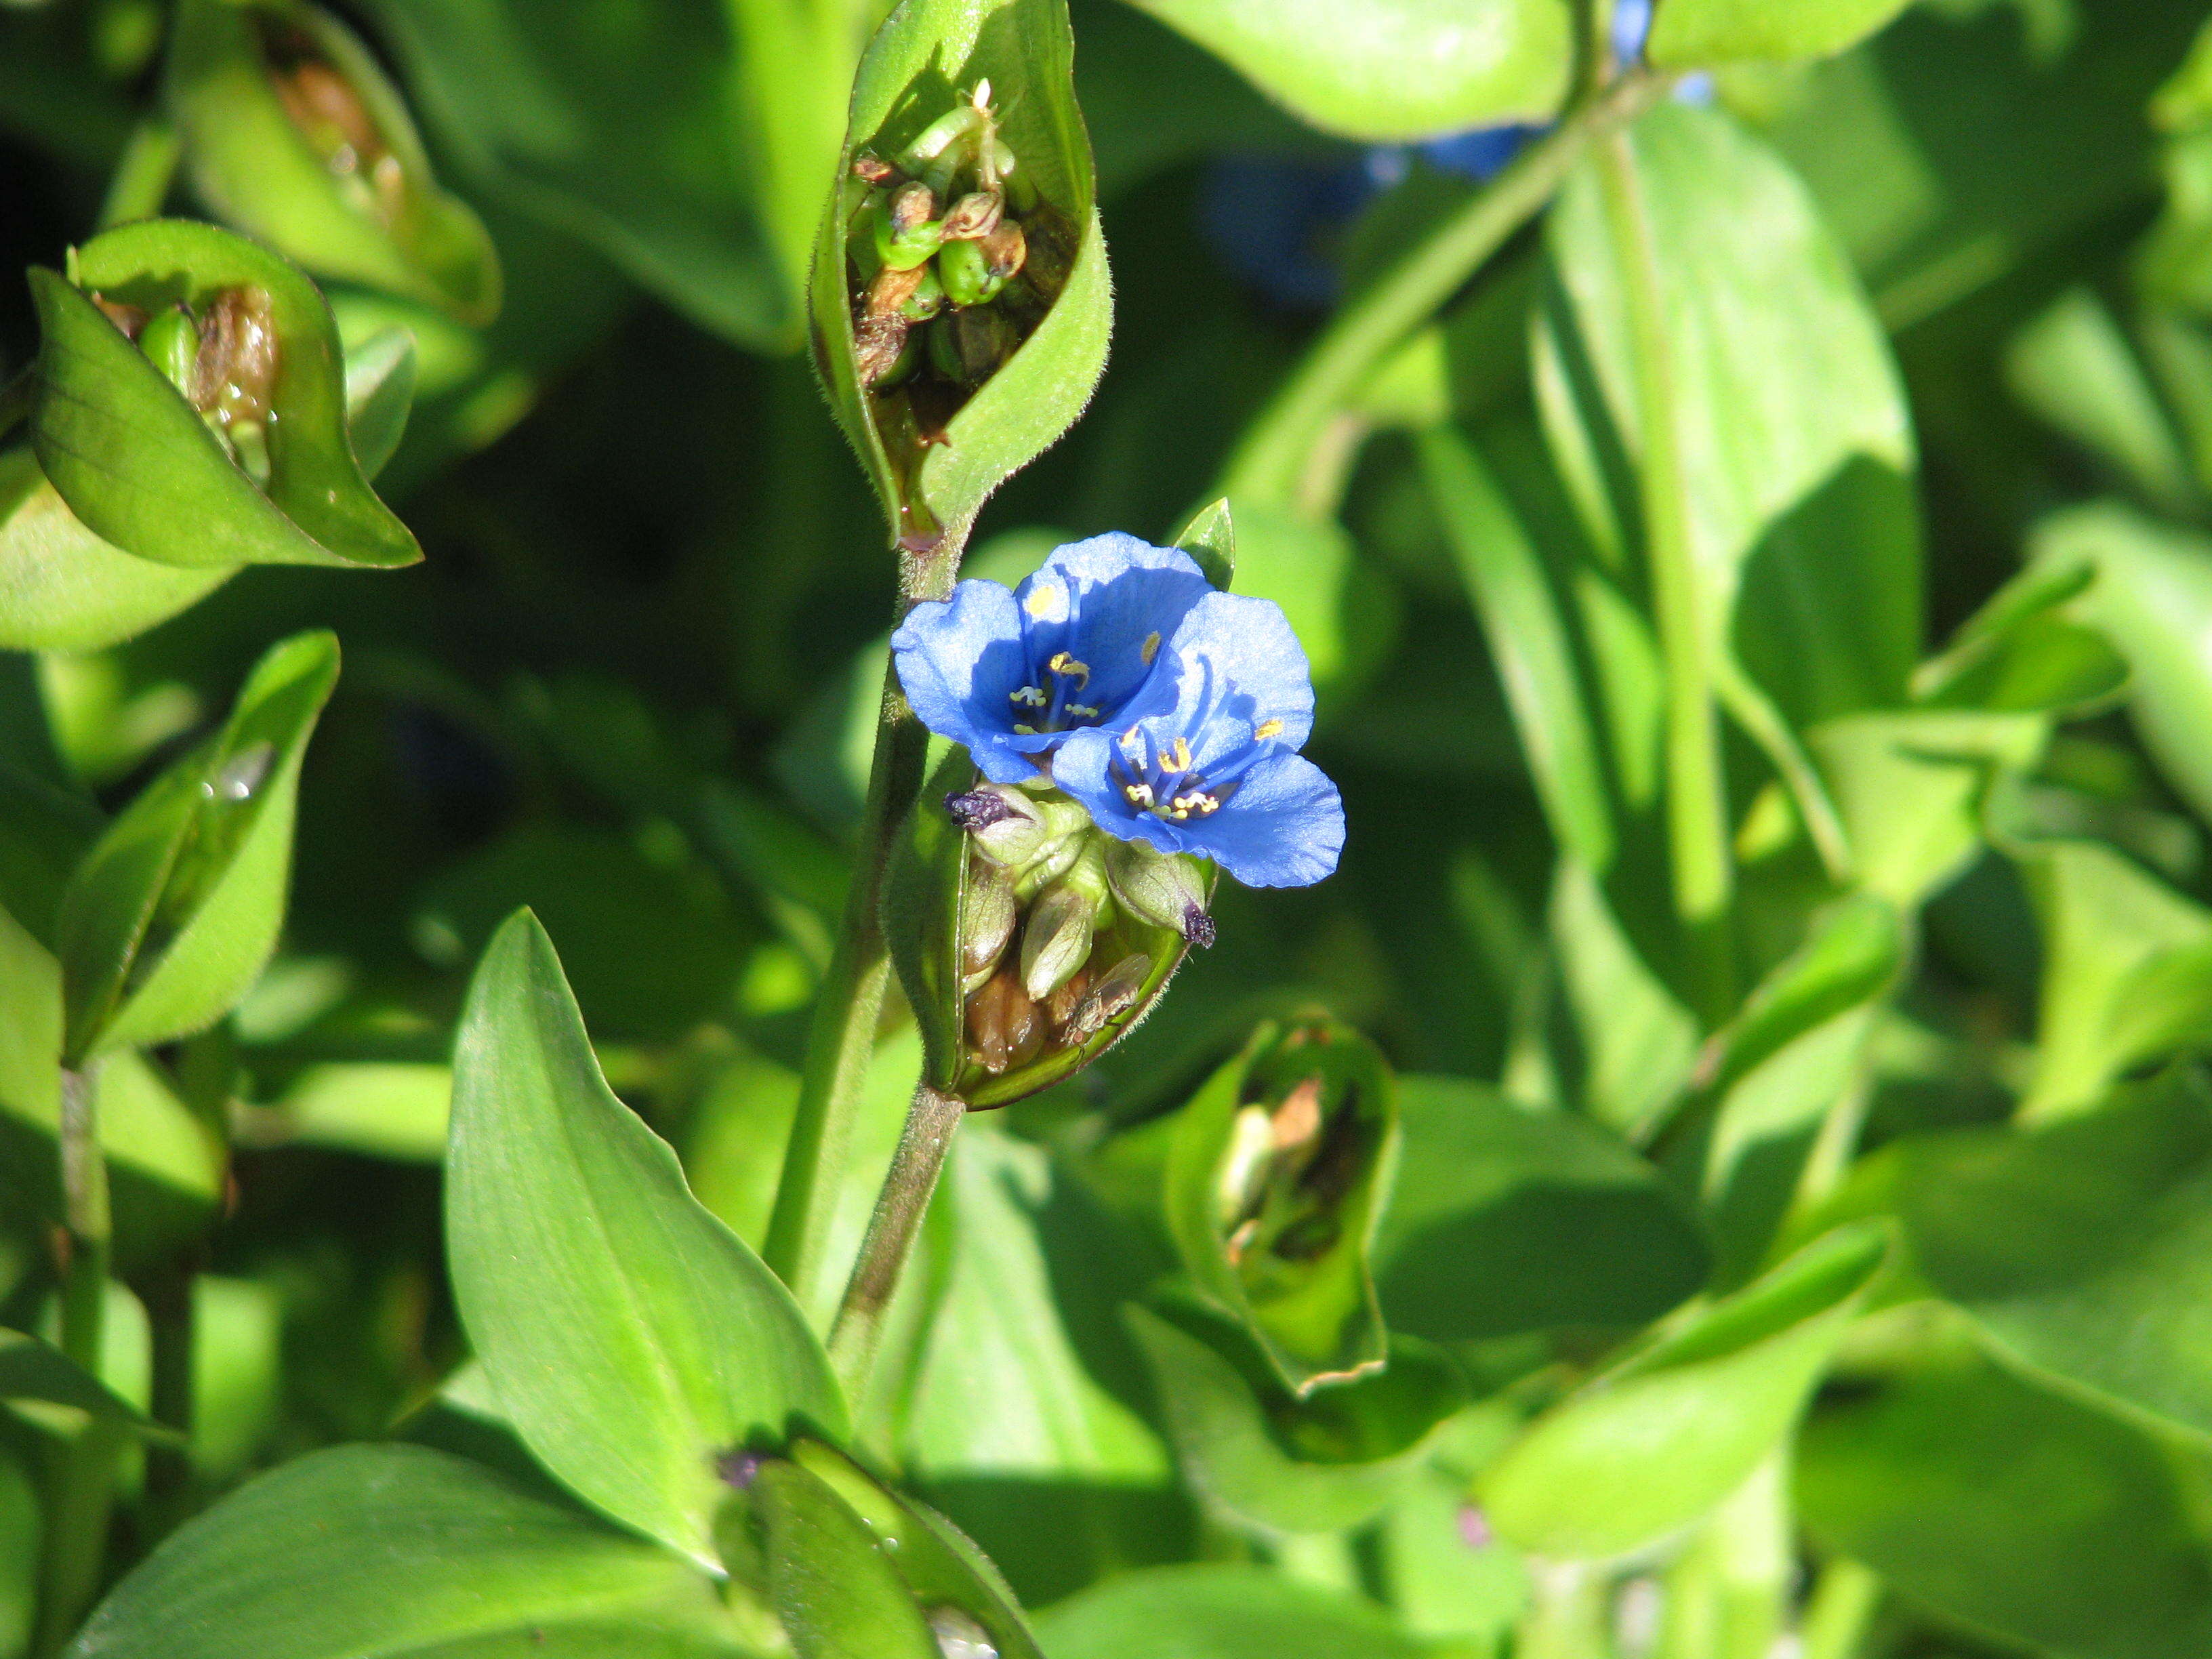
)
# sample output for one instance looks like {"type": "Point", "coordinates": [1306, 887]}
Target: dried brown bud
{"type": "Point", "coordinates": [130, 319]}
{"type": "Point", "coordinates": [975, 215]}
{"type": "Point", "coordinates": [1112, 995]}
{"type": "Point", "coordinates": [873, 169]}
{"type": "Point", "coordinates": [912, 204]}
{"type": "Point", "coordinates": [1006, 248]}
{"type": "Point", "coordinates": [236, 373]}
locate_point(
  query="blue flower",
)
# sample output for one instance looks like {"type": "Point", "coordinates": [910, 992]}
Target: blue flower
{"type": "Point", "coordinates": [1014, 675]}
{"type": "Point", "coordinates": [1204, 759]}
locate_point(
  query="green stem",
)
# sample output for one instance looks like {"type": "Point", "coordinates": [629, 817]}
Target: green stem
{"type": "Point", "coordinates": [1271, 461]}
{"type": "Point", "coordinates": [930, 1122]}
{"type": "Point", "coordinates": [1764, 724]}
{"type": "Point", "coordinates": [143, 175]}
{"type": "Point", "coordinates": [170, 1316]}
{"type": "Point", "coordinates": [1696, 807]}
{"type": "Point", "coordinates": [842, 1037]}
{"type": "Point", "coordinates": [83, 1471]}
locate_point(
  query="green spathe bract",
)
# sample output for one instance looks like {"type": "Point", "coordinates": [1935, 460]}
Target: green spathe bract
{"type": "Point", "coordinates": [389, 225]}
{"type": "Point", "coordinates": [133, 459]}
{"type": "Point", "coordinates": [928, 55]}
{"type": "Point", "coordinates": [62, 588]}
{"type": "Point", "coordinates": [168, 920]}
{"type": "Point", "coordinates": [631, 1338]}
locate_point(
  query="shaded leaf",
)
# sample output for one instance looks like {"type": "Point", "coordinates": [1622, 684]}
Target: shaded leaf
{"type": "Point", "coordinates": [31, 1369]}
{"type": "Point", "coordinates": [1219, 1611]}
{"type": "Point", "coordinates": [1505, 1220]}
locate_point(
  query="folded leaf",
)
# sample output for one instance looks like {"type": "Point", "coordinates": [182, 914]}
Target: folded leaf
{"type": "Point", "coordinates": [138, 461]}
{"type": "Point", "coordinates": [169, 919]}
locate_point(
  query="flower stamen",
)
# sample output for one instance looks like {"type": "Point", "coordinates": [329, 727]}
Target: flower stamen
{"type": "Point", "coordinates": [1061, 663]}
{"type": "Point", "coordinates": [1030, 696]}
{"type": "Point", "coordinates": [1269, 728]}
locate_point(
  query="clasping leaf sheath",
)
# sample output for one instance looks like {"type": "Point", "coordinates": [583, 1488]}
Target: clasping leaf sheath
{"type": "Point", "coordinates": [140, 461]}
{"type": "Point", "coordinates": [959, 94]}
{"type": "Point", "coordinates": [1275, 1181]}
{"type": "Point", "coordinates": [293, 134]}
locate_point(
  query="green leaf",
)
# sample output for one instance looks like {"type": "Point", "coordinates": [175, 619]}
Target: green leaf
{"type": "Point", "coordinates": [1639, 1040]}
{"type": "Point", "coordinates": [632, 1337]}
{"type": "Point", "coordinates": [1210, 538]}
{"type": "Point", "coordinates": [396, 1551]}
{"type": "Point", "coordinates": [1528, 643]}
{"type": "Point", "coordinates": [1786, 409]}
{"type": "Point", "coordinates": [1909, 788]}
{"type": "Point", "coordinates": [385, 1109]}
{"type": "Point", "coordinates": [1698, 33]}
{"type": "Point", "coordinates": [2021, 1514]}
{"type": "Point", "coordinates": [62, 588]}
{"type": "Point", "coordinates": [31, 1369]}
{"type": "Point", "coordinates": [1505, 1220]}
{"type": "Point", "coordinates": [934, 451]}
{"type": "Point", "coordinates": [20, 1541]}
{"type": "Point", "coordinates": [2152, 599]}
{"type": "Point", "coordinates": [1649, 1447]}
{"type": "Point", "coordinates": [136, 460]}
{"type": "Point", "coordinates": [169, 919]}
{"type": "Point", "coordinates": [2107, 923]}
{"type": "Point", "coordinates": [2082, 1250]}
{"type": "Point", "coordinates": [1390, 69]}
{"type": "Point", "coordinates": [1279, 1464]}
{"type": "Point", "coordinates": [1276, 1180]}
{"type": "Point", "coordinates": [349, 195]}
{"type": "Point", "coordinates": [1303, 564]}
{"type": "Point", "coordinates": [2074, 367]}
{"type": "Point", "coordinates": [689, 143]}
{"type": "Point", "coordinates": [1793, 1050]}
{"type": "Point", "coordinates": [1219, 1611]}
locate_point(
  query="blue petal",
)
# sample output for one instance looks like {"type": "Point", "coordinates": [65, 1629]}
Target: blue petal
{"type": "Point", "coordinates": [1283, 828]}
{"type": "Point", "coordinates": [1100, 600]}
{"type": "Point", "coordinates": [1083, 770]}
{"type": "Point", "coordinates": [1243, 646]}
{"type": "Point", "coordinates": [960, 660]}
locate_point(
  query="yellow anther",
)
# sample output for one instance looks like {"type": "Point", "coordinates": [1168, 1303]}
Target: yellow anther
{"type": "Point", "coordinates": [1044, 601]}
{"type": "Point", "coordinates": [1061, 663]}
{"type": "Point", "coordinates": [1139, 794]}
{"type": "Point", "coordinates": [1149, 648]}
{"type": "Point", "coordinates": [1083, 711]}
{"type": "Point", "coordinates": [1133, 743]}
{"type": "Point", "coordinates": [1021, 730]}
{"type": "Point", "coordinates": [1268, 729]}
{"type": "Point", "coordinates": [1030, 695]}
{"type": "Point", "coordinates": [1176, 759]}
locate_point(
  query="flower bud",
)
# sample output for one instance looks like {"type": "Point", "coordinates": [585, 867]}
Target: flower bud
{"type": "Point", "coordinates": [909, 232]}
{"type": "Point", "coordinates": [1056, 939]}
{"type": "Point", "coordinates": [1011, 826]}
{"type": "Point", "coordinates": [987, 920]}
{"type": "Point", "coordinates": [1005, 1027]}
{"type": "Point", "coordinates": [1166, 889]}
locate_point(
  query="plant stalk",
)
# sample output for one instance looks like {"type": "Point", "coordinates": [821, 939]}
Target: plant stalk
{"type": "Point", "coordinates": [1840, 1611]}
{"type": "Point", "coordinates": [82, 1488]}
{"type": "Point", "coordinates": [1696, 807]}
{"type": "Point", "coordinates": [143, 174]}
{"type": "Point", "coordinates": [842, 1036]}
{"type": "Point", "coordinates": [1272, 460]}
{"type": "Point", "coordinates": [930, 1122]}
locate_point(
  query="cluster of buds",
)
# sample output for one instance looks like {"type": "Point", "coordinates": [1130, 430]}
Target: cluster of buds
{"type": "Point", "coordinates": [223, 359]}
{"type": "Point", "coordinates": [955, 258]}
{"type": "Point", "coordinates": [1060, 924]}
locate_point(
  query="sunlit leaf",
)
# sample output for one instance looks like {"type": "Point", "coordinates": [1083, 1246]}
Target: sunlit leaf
{"type": "Point", "coordinates": [1698, 33]}
{"type": "Point", "coordinates": [632, 1339]}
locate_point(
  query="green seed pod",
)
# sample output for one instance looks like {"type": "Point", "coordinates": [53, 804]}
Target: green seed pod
{"type": "Point", "coordinates": [909, 232]}
{"type": "Point", "coordinates": [989, 1039]}
{"type": "Point", "coordinates": [987, 920]}
{"type": "Point", "coordinates": [293, 134]}
{"type": "Point", "coordinates": [1275, 1181]}
{"type": "Point", "coordinates": [928, 297]}
{"type": "Point", "coordinates": [967, 274]}
{"type": "Point", "coordinates": [171, 342]}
